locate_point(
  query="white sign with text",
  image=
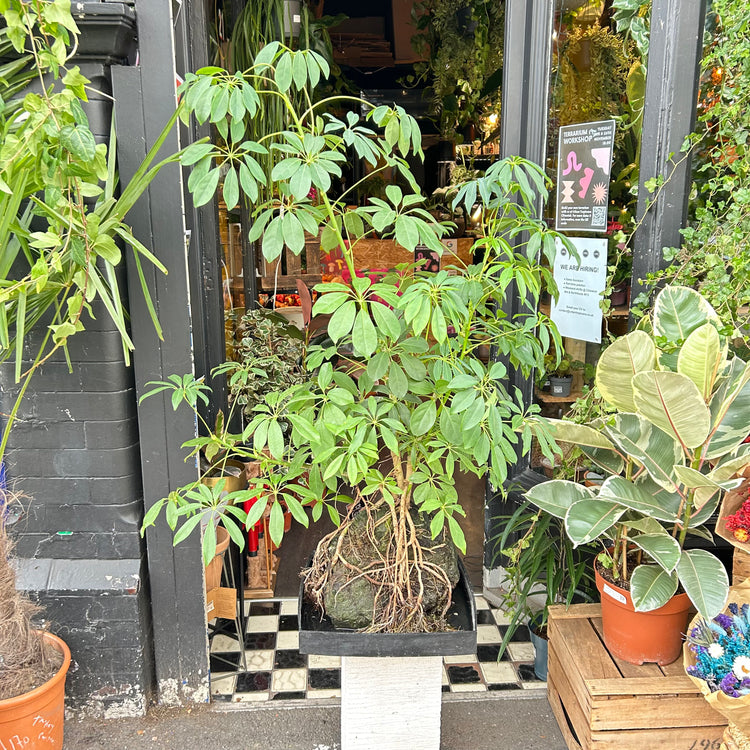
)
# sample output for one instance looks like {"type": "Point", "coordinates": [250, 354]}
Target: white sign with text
{"type": "Point", "coordinates": [577, 312]}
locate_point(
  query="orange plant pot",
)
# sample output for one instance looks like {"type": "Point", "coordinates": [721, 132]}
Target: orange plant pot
{"type": "Point", "coordinates": [34, 720]}
{"type": "Point", "coordinates": [639, 637]}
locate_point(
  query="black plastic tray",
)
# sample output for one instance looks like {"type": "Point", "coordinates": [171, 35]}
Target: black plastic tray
{"type": "Point", "coordinates": [319, 636]}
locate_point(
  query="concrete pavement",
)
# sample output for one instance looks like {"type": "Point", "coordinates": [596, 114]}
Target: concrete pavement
{"type": "Point", "coordinates": [499, 721]}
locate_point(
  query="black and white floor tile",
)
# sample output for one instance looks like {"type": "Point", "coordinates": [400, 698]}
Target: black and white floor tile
{"type": "Point", "coordinates": [274, 669]}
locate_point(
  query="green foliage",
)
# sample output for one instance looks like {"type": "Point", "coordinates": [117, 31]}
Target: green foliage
{"type": "Point", "coordinates": [633, 17]}
{"type": "Point", "coordinates": [61, 227]}
{"type": "Point", "coordinates": [594, 66]}
{"type": "Point", "coordinates": [462, 42]}
{"type": "Point", "coordinates": [715, 256]}
{"type": "Point", "coordinates": [672, 448]}
{"type": "Point", "coordinates": [542, 567]}
{"type": "Point", "coordinates": [401, 370]}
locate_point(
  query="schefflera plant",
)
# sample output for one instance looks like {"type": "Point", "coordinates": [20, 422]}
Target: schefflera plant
{"type": "Point", "coordinates": [398, 401]}
{"type": "Point", "coordinates": [671, 450]}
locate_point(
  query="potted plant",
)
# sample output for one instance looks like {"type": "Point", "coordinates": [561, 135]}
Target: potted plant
{"type": "Point", "coordinates": [268, 353]}
{"type": "Point", "coordinates": [542, 567]}
{"type": "Point", "coordinates": [397, 401]}
{"type": "Point", "coordinates": [669, 452]}
{"type": "Point", "coordinates": [559, 371]}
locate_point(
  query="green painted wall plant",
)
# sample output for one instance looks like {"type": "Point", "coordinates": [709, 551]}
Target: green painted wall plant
{"type": "Point", "coordinates": [668, 454]}
{"type": "Point", "coordinates": [715, 253]}
{"type": "Point", "coordinates": [462, 41]}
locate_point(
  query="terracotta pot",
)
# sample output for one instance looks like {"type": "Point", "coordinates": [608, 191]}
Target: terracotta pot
{"type": "Point", "coordinates": [639, 637]}
{"type": "Point", "coordinates": [34, 720]}
{"type": "Point", "coordinates": [214, 568]}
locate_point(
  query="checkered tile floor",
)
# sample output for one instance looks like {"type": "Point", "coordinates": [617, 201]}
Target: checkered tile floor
{"type": "Point", "coordinates": [275, 670]}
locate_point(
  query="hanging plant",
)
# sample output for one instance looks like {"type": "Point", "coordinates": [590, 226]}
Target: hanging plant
{"type": "Point", "coordinates": [463, 43]}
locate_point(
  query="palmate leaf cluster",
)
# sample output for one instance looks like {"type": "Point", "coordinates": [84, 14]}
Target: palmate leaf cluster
{"type": "Point", "coordinates": [673, 447]}
{"type": "Point", "coordinates": [61, 226]}
{"type": "Point", "coordinates": [398, 400]}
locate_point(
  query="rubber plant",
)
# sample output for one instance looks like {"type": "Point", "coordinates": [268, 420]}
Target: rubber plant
{"type": "Point", "coordinates": [399, 401]}
{"type": "Point", "coordinates": [670, 450]}
{"type": "Point", "coordinates": [61, 230]}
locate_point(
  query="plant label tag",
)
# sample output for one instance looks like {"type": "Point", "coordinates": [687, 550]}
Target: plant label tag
{"type": "Point", "coordinates": [614, 594]}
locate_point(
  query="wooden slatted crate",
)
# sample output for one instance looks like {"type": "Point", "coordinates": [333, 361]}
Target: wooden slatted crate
{"type": "Point", "coordinates": [603, 703]}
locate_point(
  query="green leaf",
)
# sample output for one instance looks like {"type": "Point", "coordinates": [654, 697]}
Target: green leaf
{"type": "Point", "coordinates": [618, 364]}
{"type": "Point", "coordinates": [457, 534]}
{"type": "Point", "coordinates": [618, 489]}
{"type": "Point", "coordinates": [705, 581]}
{"type": "Point", "coordinates": [423, 418]}
{"type": "Point", "coordinates": [386, 320]}
{"type": "Point", "coordinates": [397, 381]}
{"type": "Point", "coordinates": [589, 519]}
{"type": "Point", "coordinates": [730, 406]}
{"type": "Point", "coordinates": [649, 446]}
{"type": "Point", "coordinates": [342, 320]}
{"type": "Point", "coordinates": [276, 524]}
{"type": "Point", "coordinates": [275, 440]}
{"type": "Point", "coordinates": [364, 335]}
{"type": "Point", "coordinates": [330, 302]}
{"type": "Point", "coordinates": [651, 587]}
{"type": "Point", "coordinates": [563, 431]}
{"type": "Point", "coordinates": [299, 70]}
{"type": "Point", "coordinates": [673, 403]}
{"type": "Point", "coordinates": [701, 358]}
{"type": "Point", "coordinates": [294, 234]}
{"type": "Point", "coordinates": [284, 72]}
{"type": "Point", "coordinates": [231, 190]}
{"type": "Point", "coordinates": [203, 190]}
{"type": "Point", "coordinates": [662, 548]}
{"type": "Point", "coordinates": [273, 239]}
{"type": "Point", "coordinates": [407, 232]}
{"type": "Point", "coordinates": [557, 496]}
{"type": "Point", "coordinates": [79, 140]}
{"type": "Point", "coordinates": [678, 311]}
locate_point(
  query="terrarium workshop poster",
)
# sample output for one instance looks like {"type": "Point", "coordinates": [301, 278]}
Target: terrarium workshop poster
{"type": "Point", "coordinates": [583, 166]}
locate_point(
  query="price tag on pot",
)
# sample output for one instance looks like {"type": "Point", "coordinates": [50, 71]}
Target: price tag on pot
{"type": "Point", "coordinates": [614, 594]}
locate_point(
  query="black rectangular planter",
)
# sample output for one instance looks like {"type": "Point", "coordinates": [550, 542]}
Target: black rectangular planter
{"type": "Point", "coordinates": [319, 636]}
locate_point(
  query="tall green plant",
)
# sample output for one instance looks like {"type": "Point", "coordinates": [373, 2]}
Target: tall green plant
{"type": "Point", "coordinates": [401, 379]}
{"type": "Point", "coordinates": [61, 224]}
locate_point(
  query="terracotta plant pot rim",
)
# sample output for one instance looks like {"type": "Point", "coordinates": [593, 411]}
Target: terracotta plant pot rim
{"type": "Point", "coordinates": [675, 604]}
{"type": "Point", "coordinates": [19, 700]}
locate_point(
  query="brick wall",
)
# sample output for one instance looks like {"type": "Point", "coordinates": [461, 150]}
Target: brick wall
{"type": "Point", "coordinates": [75, 458]}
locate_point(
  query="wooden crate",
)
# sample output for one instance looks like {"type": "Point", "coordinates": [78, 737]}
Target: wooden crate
{"type": "Point", "coordinates": [603, 703]}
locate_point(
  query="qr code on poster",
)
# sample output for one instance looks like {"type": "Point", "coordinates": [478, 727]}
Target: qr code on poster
{"type": "Point", "coordinates": [599, 216]}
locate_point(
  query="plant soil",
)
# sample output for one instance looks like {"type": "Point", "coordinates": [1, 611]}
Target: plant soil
{"type": "Point", "coordinates": [26, 661]}
{"type": "Point", "coordinates": [635, 558]}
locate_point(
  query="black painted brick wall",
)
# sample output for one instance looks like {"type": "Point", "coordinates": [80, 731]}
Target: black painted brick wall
{"type": "Point", "coordinates": [96, 607]}
{"type": "Point", "coordinates": [74, 455]}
